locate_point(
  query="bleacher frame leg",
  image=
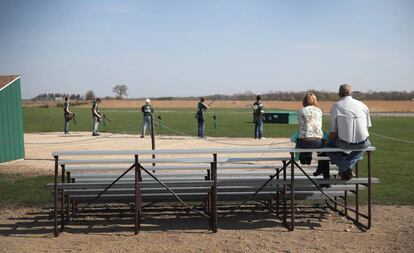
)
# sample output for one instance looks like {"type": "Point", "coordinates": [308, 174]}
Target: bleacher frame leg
{"type": "Point", "coordinates": [292, 192]}
{"type": "Point", "coordinates": [357, 212]}
{"type": "Point", "coordinates": [67, 199]}
{"type": "Point", "coordinates": [284, 197]}
{"type": "Point", "coordinates": [369, 191]}
{"type": "Point", "coordinates": [213, 214]}
{"type": "Point", "coordinates": [137, 196]}
{"type": "Point", "coordinates": [357, 195]}
{"type": "Point", "coordinates": [55, 198]}
{"type": "Point", "coordinates": [62, 202]}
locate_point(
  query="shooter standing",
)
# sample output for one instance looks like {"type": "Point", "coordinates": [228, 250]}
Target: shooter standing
{"type": "Point", "coordinates": [96, 116]}
{"type": "Point", "coordinates": [68, 115]}
{"type": "Point", "coordinates": [201, 110]}
{"type": "Point", "coordinates": [258, 117]}
{"type": "Point", "coordinates": [147, 111]}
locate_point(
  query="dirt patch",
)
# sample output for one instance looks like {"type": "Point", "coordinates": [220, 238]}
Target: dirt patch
{"type": "Point", "coordinates": [317, 230]}
{"type": "Point", "coordinates": [39, 147]}
{"type": "Point", "coordinates": [374, 105]}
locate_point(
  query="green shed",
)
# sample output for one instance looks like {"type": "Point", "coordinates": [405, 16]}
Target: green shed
{"type": "Point", "coordinates": [11, 119]}
{"type": "Point", "coordinates": [281, 117]}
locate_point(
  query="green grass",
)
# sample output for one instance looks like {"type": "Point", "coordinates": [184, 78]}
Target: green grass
{"type": "Point", "coordinates": [18, 190]}
{"type": "Point", "coordinates": [392, 162]}
{"type": "Point", "coordinates": [231, 122]}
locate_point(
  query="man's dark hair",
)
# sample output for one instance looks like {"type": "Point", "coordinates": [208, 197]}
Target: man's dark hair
{"type": "Point", "coordinates": [258, 97]}
{"type": "Point", "coordinates": [98, 100]}
{"type": "Point", "coordinates": [202, 99]}
{"type": "Point", "coordinates": [66, 98]}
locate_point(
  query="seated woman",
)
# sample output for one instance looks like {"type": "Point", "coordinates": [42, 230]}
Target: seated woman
{"type": "Point", "coordinates": [310, 133]}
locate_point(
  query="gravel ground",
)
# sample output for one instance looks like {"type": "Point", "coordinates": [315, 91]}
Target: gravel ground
{"type": "Point", "coordinates": [317, 229]}
{"type": "Point", "coordinates": [321, 230]}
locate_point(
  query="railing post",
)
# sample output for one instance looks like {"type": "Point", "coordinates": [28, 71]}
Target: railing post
{"type": "Point", "coordinates": [137, 196]}
{"type": "Point", "coordinates": [55, 197]}
{"type": "Point", "coordinates": [214, 194]}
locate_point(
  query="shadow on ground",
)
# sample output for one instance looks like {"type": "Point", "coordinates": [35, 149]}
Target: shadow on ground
{"type": "Point", "coordinates": [120, 218]}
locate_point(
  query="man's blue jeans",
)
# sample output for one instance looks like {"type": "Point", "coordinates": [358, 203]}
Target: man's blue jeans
{"type": "Point", "coordinates": [66, 130]}
{"type": "Point", "coordinates": [258, 129]}
{"type": "Point", "coordinates": [201, 128]}
{"type": "Point", "coordinates": [346, 161]}
{"type": "Point", "coordinates": [95, 125]}
{"type": "Point", "coordinates": [146, 124]}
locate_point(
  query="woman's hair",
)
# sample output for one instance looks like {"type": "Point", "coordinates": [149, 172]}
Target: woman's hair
{"type": "Point", "coordinates": [310, 99]}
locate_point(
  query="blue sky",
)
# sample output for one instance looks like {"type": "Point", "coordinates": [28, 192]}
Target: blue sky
{"type": "Point", "coordinates": [183, 48]}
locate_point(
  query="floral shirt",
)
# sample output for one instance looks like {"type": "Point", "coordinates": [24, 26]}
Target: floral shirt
{"type": "Point", "coordinates": [310, 122]}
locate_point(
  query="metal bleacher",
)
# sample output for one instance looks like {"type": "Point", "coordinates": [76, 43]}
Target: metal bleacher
{"type": "Point", "coordinates": [199, 179]}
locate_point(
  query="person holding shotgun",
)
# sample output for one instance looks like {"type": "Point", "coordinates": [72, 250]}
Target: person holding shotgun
{"type": "Point", "coordinates": [68, 115]}
{"type": "Point", "coordinates": [147, 111]}
{"type": "Point", "coordinates": [258, 117]}
{"type": "Point", "coordinates": [96, 116]}
{"type": "Point", "coordinates": [201, 110]}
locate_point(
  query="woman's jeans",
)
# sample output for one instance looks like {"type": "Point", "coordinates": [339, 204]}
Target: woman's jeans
{"type": "Point", "coordinates": [306, 158]}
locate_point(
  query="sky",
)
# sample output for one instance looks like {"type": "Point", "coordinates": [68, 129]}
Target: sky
{"type": "Point", "coordinates": [164, 48]}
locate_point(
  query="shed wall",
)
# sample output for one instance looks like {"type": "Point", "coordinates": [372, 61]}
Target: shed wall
{"type": "Point", "coordinates": [11, 123]}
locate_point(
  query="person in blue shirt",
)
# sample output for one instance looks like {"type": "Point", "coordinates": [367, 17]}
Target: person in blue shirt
{"type": "Point", "coordinates": [201, 110]}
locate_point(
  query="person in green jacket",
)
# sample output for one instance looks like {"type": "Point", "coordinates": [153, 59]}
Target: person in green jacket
{"type": "Point", "coordinates": [68, 115]}
{"type": "Point", "coordinates": [147, 111]}
{"type": "Point", "coordinates": [96, 116]}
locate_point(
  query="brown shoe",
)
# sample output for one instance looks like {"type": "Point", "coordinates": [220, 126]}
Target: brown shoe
{"type": "Point", "coordinates": [346, 175]}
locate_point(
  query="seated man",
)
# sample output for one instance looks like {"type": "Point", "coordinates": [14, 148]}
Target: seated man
{"type": "Point", "coordinates": [349, 122]}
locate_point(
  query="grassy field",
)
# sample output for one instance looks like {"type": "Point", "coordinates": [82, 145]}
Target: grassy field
{"type": "Point", "coordinates": [392, 160]}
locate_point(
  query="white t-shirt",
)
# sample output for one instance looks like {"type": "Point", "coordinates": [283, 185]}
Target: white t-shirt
{"type": "Point", "coordinates": [350, 119]}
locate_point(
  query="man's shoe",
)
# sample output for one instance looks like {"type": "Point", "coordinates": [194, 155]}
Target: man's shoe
{"type": "Point", "coordinates": [346, 175]}
{"type": "Point", "coordinates": [142, 136]}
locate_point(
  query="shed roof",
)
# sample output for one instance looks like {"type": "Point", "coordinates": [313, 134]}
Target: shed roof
{"type": "Point", "coordinates": [5, 80]}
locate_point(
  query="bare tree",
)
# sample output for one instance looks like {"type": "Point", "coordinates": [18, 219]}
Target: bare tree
{"type": "Point", "coordinates": [90, 95]}
{"type": "Point", "coordinates": [120, 90]}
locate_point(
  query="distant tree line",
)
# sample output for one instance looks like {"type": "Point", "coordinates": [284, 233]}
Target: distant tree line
{"type": "Point", "coordinates": [121, 90]}
{"type": "Point", "coordinates": [53, 96]}
{"type": "Point", "coordinates": [299, 95]}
